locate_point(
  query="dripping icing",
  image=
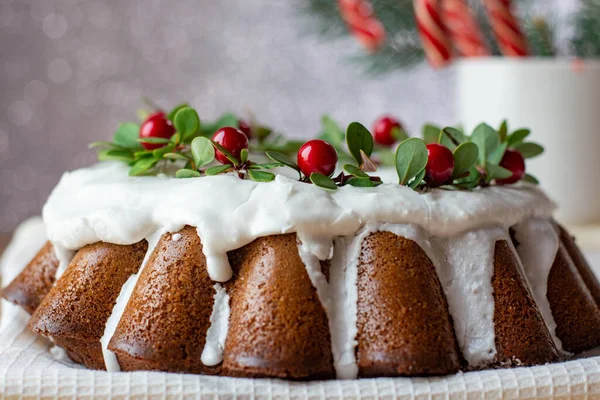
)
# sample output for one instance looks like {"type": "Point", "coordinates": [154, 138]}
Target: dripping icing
{"type": "Point", "coordinates": [212, 354]}
{"type": "Point", "coordinates": [229, 213]}
{"type": "Point", "coordinates": [538, 244]}
{"type": "Point", "coordinates": [110, 359]}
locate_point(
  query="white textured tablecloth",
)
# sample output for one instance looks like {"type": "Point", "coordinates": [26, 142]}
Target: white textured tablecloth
{"type": "Point", "coordinates": [29, 370]}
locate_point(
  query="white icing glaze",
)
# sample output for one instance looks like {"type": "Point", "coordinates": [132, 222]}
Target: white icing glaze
{"type": "Point", "coordinates": [175, 237]}
{"type": "Point", "coordinates": [343, 275]}
{"type": "Point", "coordinates": [538, 246]}
{"type": "Point", "coordinates": [110, 359]}
{"type": "Point", "coordinates": [212, 354]}
{"type": "Point", "coordinates": [229, 213]}
{"type": "Point", "coordinates": [467, 282]}
{"type": "Point", "coordinates": [64, 257]}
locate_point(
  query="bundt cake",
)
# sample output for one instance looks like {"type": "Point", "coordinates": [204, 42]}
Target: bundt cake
{"type": "Point", "coordinates": [232, 277]}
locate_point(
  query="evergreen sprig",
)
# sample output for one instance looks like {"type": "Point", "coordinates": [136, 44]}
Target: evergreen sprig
{"type": "Point", "coordinates": [189, 147]}
{"type": "Point", "coordinates": [477, 157]}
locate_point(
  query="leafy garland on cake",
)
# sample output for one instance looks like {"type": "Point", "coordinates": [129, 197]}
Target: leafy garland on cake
{"type": "Point", "coordinates": [444, 157]}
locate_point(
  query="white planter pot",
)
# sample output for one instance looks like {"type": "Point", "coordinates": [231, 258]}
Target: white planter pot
{"type": "Point", "coordinates": [559, 101]}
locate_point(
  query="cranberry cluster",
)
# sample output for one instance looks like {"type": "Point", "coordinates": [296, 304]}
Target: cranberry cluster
{"type": "Point", "coordinates": [318, 156]}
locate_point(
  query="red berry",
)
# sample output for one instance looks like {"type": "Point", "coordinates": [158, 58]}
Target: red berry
{"type": "Point", "coordinates": [382, 130]}
{"type": "Point", "coordinates": [156, 126]}
{"type": "Point", "coordinates": [245, 127]}
{"type": "Point", "coordinates": [440, 164]}
{"type": "Point", "coordinates": [515, 163]}
{"type": "Point", "coordinates": [232, 140]}
{"type": "Point", "coordinates": [317, 156]}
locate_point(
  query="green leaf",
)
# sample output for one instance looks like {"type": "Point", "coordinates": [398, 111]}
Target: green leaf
{"type": "Point", "coordinates": [322, 181]}
{"type": "Point", "coordinates": [103, 144]}
{"type": "Point", "coordinates": [143, 153]}
{"type": "Point", "coordinates": [332, 132]}
{"type": "Point", "coordinates": [266, 165]}
{"type": "Point", "coordinates": [203, 151]}
{"type": "Point", "coordinates": [531, 179]}
{"type": "Point", "coordinates": [486, 139]}
{"type": "Point", "coordinates": [399, 134]}
{"type": "Point", "coordinates": [176, 156]}
{"type": "Point", "coordinates": [465, 158]}
{"type": "Point", "coordinates": [159, 153]}
{"type": "Point", "coordinates": [411, 159]}
{"type": "Point", "coordinates": [218, 169]}
{"type": "Point", "coordinates": [416, 181]}
{"type": "Point", "coordinates": [360, 182]}
{"type": "Point", "coordinates": [496, 156]}
{"type": "Point", "coordinates": [517, 137]}
{"type": "Point", "coordinates": [470, 181]}
{"type": "Point", "coordinates": [115, 155]}
{"type": "Point", "coordinates": [359, 138]}
{"type": "Point", "coordinates": [142, 165]}
{"type": "Point", "coordinates": [176, 138]}
{"type": "Point", "coordinates": [354, 170]}
{"type": "Point", "coordinates": [154, 140]}
{"type": "Point", "coordinates": [244, 155]}
{"type": "Point", "coordinates": [227, 119]}
{"type": "Point", "coordinates": [503, 131]}
{"type": "Point", "coordinates": [187, 122]}
{"type": "Point", "coordinates": [187, 173]}
{"type": "Point", "coordinates": [226, 153]}
{"type": "Point", "coordinates": [497, 172]}
{"type": "Point", "coordinates": [173, 112]}
{"type": "Point", "coordinates": [529, 149]}
{"type": "Point", "coordinates": [281, 158]}
{"type": "Point", "coordinates": [127, 135]}
{"type": "Point", "coordinates": [260, 176]}
{"type": "Point", "coordinates": [261, 132]}
{"type": "Point", "coordinates": [431, 133]}
{"type": "Point", "coordinates": [451, 137]}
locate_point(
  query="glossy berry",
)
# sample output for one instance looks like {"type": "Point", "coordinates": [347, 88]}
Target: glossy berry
{"type": "Point", "coordinates": [382, 130]}
{"type": "Point", "coordinates": [156, 126]}
{"type": "Point", "coordinates": [514, 162]}
{"type": "Point", "coordinates": [317, 156]}
{"type": "Point", "coordinates": [245, 127]}
{"type": "Point", "coordinates": [232, 140]}
{"type": "Point", "coordinates": [440, 164]}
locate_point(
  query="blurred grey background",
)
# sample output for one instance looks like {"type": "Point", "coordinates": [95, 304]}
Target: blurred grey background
{"type": "Point", "coordinates": [71, 70]}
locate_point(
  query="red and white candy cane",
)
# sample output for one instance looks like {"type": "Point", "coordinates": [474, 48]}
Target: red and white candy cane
{"type": "Point", "coordinates": [359, 16]}
{"type": "Point", "coordinates": [463, 29]}
{"type": "Point", "coordinates": [506, 28]}
{"type": "Point", "coordinates": [433, 32]}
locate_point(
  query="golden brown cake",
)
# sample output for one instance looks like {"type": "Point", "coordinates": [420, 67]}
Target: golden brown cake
{"type": "Point", "coordinates": [286, 280]}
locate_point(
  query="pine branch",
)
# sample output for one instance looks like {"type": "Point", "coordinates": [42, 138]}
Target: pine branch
{"type": "Point", "coordinates": [586, 40]}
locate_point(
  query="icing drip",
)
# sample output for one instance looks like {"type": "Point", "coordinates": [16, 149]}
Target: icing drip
{"type": "Point", "coordinates": [467, 283]}
{"type": "Point", "coordinates": [230, 213]}
{"type": "Point", "coordinates": [110, 359]}
{"type": "Point", "coordinates": [538, 246]}
{"type": "Point", "coordinates": [343, 275]}
{"type": "Point", "coordinates": [212, 354]}
{"type": "Point", "coordinates": [64, 256]}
